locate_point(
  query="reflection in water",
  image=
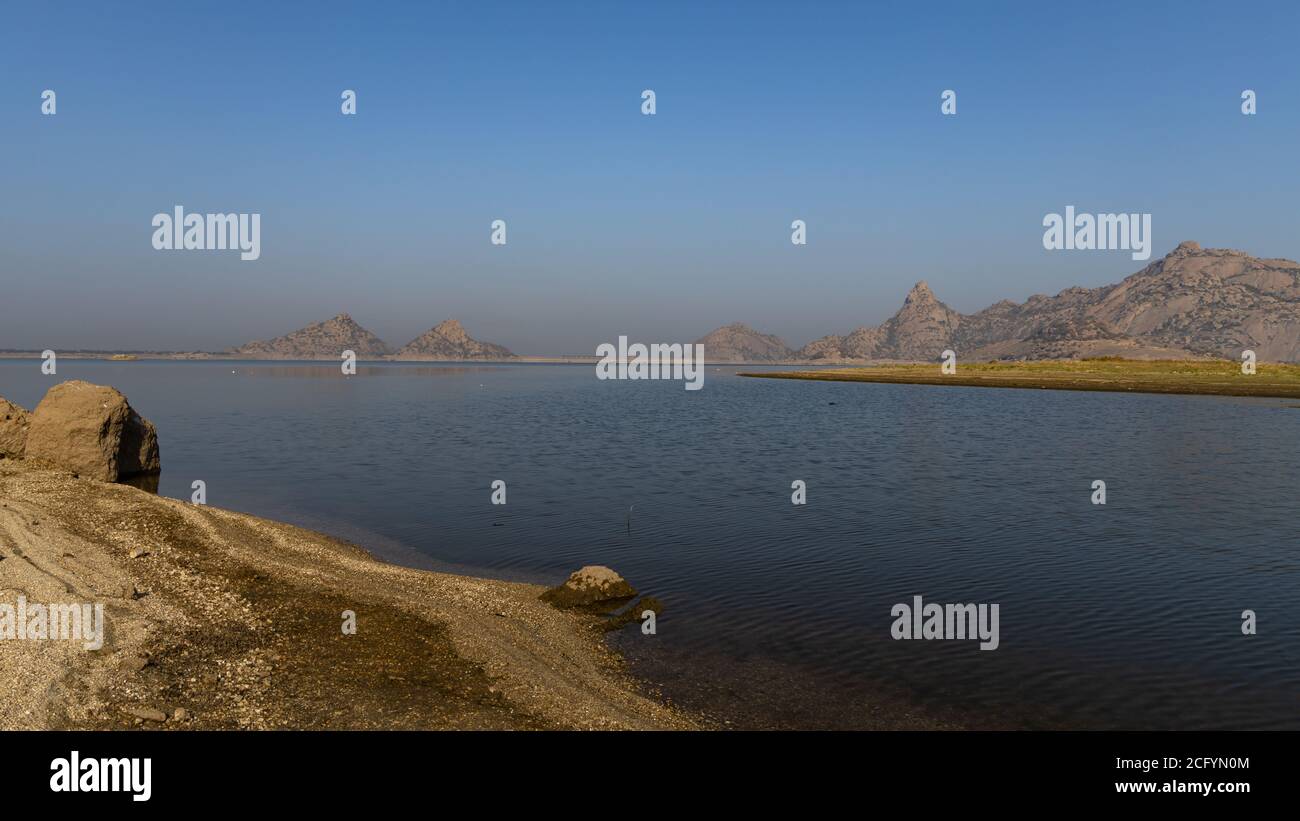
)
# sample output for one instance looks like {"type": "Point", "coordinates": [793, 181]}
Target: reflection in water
{"type": "Point", "coordinates": [336, 371]}
{"type": "Point", "coordinates": [145, 481]}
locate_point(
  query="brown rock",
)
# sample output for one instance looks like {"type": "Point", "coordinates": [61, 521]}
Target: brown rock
{"type": "Point", "coordinates": [13, 429]}
{"type": "Point", "coordinates": [591, 586]}
{"type": "Point", "coordinates": [145, 713]}
{"type": "Point", "coordinates": [92, 430]}
{"type": "Point", "coordinates": [134, 664]}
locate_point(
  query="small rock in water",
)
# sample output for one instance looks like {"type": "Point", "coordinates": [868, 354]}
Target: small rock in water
{"type": "Point", "coordinates": [181, 714]}
{"type": "Point", "coordinates": [590, 586]}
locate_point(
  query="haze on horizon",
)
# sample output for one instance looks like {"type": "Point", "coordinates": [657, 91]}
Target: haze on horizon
{"type": "Point", "coordinates": [658, 227]}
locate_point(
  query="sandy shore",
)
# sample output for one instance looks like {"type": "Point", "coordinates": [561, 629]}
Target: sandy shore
{"type": "Point", "coordinates": [216, 619]}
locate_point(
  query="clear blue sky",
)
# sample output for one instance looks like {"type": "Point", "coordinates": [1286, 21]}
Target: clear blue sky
{"type": "Point", "coordinates": [657, 227]}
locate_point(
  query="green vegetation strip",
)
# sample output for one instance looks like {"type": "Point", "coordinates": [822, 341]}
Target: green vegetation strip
{"type": "Point", "coordinates": [1209, 377]}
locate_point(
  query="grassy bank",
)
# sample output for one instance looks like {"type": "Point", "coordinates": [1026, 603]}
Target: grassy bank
{"type": "Point", "coordinates": [1210, 377]}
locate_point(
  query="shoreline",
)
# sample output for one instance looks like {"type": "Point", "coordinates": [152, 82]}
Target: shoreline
{"type": "Point", "coordinates": [522, 359]}
{"type": "Point", "coordinates": [222, 620]}
{"type": "Point", "coordinates": [1186, 377]}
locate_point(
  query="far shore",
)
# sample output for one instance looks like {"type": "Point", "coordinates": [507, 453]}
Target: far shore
{"type": "Point", "coordinates": [1162, 376]}
{"type": "Point", "coordinates": [204, 356]}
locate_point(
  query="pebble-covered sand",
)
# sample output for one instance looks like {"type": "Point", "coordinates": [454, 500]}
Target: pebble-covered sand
{"type": "Point", "coordinates": [216, 619]}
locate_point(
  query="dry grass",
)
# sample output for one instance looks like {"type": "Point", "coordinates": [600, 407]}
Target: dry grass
{"type": "Point", "coordinates": [1212, 377]}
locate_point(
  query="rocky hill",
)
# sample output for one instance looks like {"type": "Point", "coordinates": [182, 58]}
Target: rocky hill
{"type": "Point", "coordinates": [1193, 302]}
{"type": "Point", "coordinates": [738, 342]}
{"type": "Point", "coordinates": [448, 340]}
{"type": "Point", "coordinates": [321, 340]}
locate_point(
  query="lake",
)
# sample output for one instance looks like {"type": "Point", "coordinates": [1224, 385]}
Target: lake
{"type": "Point", "coordinates": [1123, 615]}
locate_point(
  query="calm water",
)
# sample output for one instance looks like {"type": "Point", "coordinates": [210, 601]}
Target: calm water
{"type": "Point", "coordinates": [1126, 615]}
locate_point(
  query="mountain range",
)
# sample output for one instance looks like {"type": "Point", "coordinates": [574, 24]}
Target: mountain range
{"type": "Point", "coordinates": [327, 340]}
{"type": "Point", "coordinates": [1192, 302]}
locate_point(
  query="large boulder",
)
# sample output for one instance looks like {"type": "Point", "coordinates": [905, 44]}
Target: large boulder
{"type": "Point", "coordinates": [594, 586]}
{"type": "Point", "coordinates": [91, 429]}
{"type": "Point", "coordinates": [13, 430]}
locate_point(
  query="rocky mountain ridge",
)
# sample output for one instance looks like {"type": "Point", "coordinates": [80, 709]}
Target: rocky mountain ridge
{"type": "Point", "coordinates": [1193, 302]}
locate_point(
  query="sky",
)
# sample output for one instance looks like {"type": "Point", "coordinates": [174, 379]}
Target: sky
{"type": "Point", "coordinates": [658, 227]}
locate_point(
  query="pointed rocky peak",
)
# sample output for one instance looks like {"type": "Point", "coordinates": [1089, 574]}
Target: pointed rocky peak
{"type": "Point", "coordinates": [920, 293]}
{"type": "Point", "coordinates": [343, 323]}
{"type": "Point", "coordinates": [451, 329]}
{"type": "Point", "coordinates": [921, 327]}
{"type": "Point", "coordinates": [1187, 247]}
{"type": "Point", "coordinates": [921, 302]}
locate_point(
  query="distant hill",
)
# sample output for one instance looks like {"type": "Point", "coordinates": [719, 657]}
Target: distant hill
{"type": "Point", "coordinates": [321, 340]}
{"type": "Point", "coordinates": [448, 340]}
{"type": "Point", "coordinates": [738, 342]}
{"type": "Point", "coordinates": [1193, 302]}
